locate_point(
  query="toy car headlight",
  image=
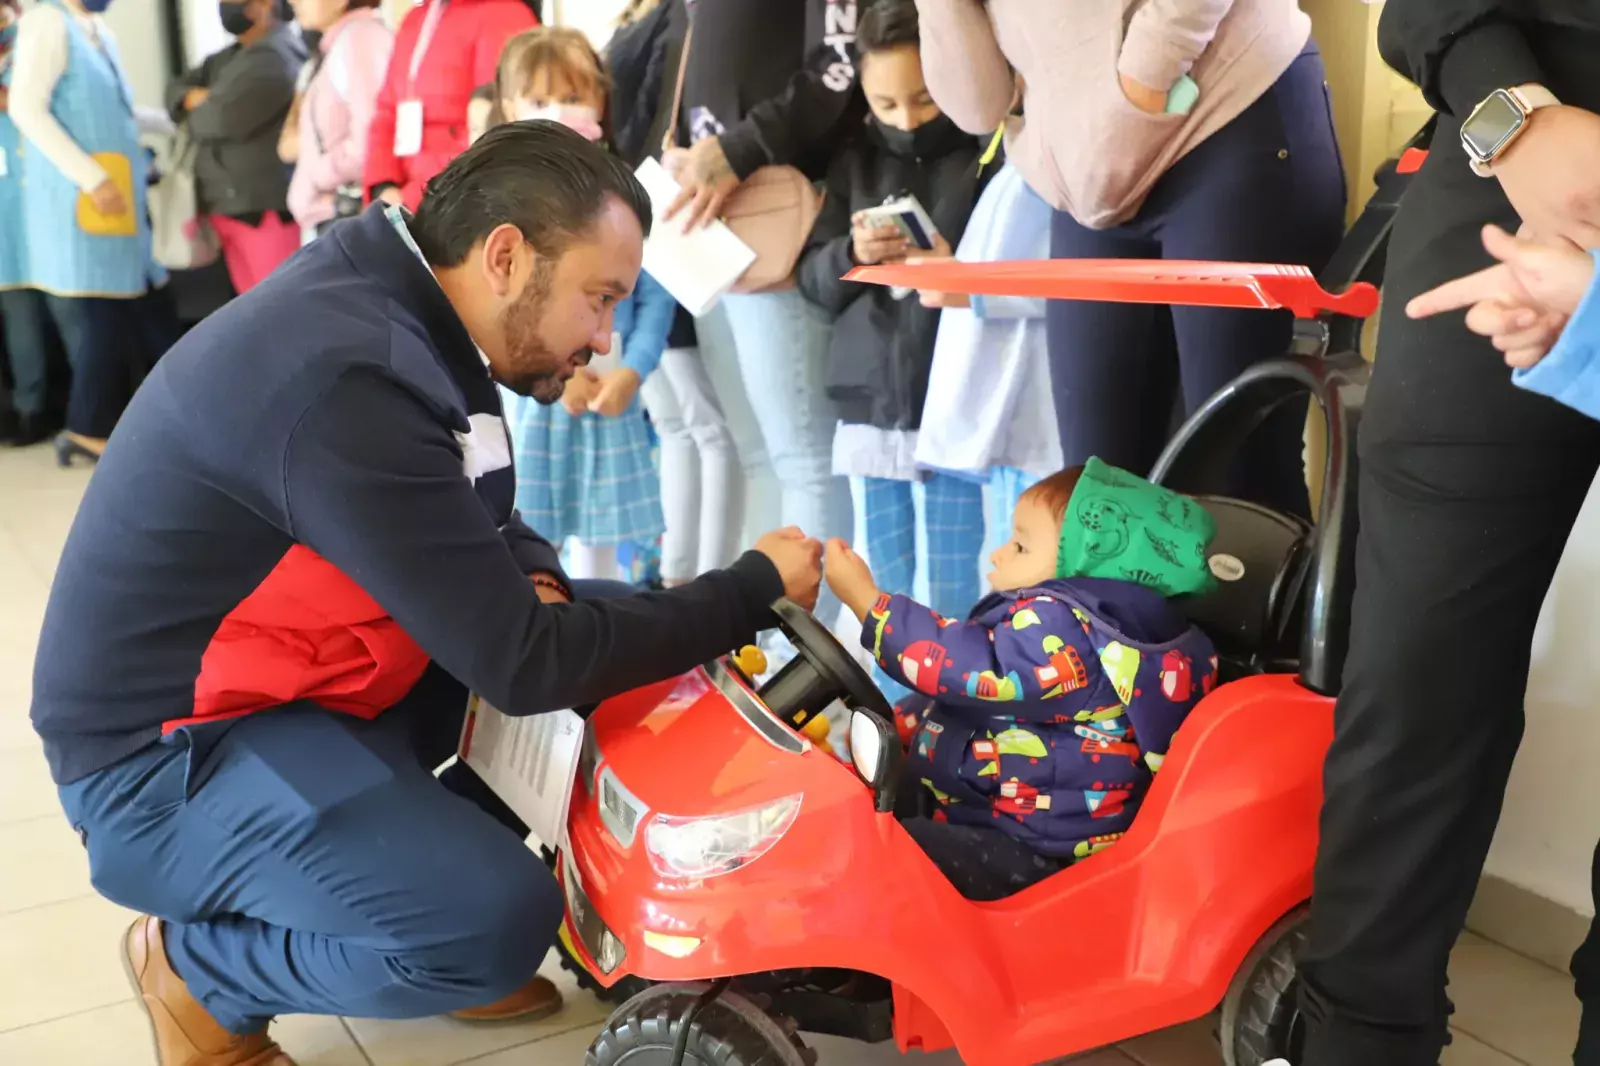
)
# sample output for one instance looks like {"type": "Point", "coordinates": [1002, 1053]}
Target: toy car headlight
{"type": "Point", "coordinates": [693, 849]}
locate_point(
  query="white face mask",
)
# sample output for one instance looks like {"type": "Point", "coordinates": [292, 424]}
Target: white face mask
{"type": "Point", "coordinates": [580, 118]}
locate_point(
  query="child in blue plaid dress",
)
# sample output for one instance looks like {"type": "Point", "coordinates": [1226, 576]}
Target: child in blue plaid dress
{"type": "Point", "coordinates": [584, 467]}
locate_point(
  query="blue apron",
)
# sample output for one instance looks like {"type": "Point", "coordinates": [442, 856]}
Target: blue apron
{"type": "Point", "coordinates": [92, 102]}
{"type": "Point", "coordinates": [12, 255]}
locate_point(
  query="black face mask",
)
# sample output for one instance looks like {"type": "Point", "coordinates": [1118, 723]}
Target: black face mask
{"type": "Point", "coordinates": [921, 142]}
{"type": "Point", "coordinates": [234, 19]}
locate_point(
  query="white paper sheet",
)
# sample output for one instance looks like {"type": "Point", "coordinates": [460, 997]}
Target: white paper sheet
{"type": "Point", "coordinates": [696, 268]}
{"type": "Point", "coordinates": [531, 763]}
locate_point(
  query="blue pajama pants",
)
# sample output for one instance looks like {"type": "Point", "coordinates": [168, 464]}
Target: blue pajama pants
{"type": "Point", "coordinates": [307, 862]}
{"type": "Point", "coordinates": [952, 519]}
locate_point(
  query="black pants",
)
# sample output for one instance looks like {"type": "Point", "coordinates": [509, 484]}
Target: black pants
{"type": "Point", "coordinates": [111, 345]}
{"type": "Point", "coordinates": [1268, 187]}
{"type": "Point", "coordinates": [1468, 490]}
{"type": "Point", "coordinates": [981, 863]}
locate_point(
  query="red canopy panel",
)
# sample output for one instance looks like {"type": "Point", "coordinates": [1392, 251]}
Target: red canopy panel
{"type": "Point", "coordinates": [1142, 281]}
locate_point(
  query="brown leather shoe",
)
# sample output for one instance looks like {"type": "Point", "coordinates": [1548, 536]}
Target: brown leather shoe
{"type": "Point", "coordinates": [534, 1000]}
{"type": "Point", "coordinates": [185, 1034]}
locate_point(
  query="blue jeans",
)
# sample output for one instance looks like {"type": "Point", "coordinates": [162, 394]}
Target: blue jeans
{"type": "Point", "coordinates": [765, 354]}
{"type": "Point", "coordinates": [111, 344]}
{"type": "Point", "coordinates": [307, 862]}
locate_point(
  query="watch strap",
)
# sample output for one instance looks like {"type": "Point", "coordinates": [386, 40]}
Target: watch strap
{"type": "Point", "coordinates": [1533, 96]}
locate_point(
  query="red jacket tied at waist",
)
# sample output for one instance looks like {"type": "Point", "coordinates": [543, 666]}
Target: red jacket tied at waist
{"type": "Point", "coordinates": [307, 632]}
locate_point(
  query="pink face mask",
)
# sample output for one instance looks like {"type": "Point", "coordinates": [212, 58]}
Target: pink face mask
{"type": "Point", "coordinates": [579, 118]}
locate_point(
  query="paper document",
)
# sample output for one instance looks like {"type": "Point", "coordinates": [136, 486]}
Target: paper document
{"type": "Point", "coordinates": [531, 763]}
{"type": "Point", "coordinates": [698, 267]}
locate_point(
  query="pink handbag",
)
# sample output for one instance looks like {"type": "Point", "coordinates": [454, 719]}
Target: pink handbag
{"type": "Point", "coordinates": [772, 211]}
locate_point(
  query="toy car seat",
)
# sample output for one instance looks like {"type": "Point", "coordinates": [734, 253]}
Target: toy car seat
{"type": "Point", "coordinates": [1259, 557]}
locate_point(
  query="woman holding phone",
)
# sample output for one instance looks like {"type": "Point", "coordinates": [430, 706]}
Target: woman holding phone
{"type": "Point", "coordinates": [1158, 129]}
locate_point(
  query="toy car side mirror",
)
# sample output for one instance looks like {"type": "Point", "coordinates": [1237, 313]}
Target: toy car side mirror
{"type": "Point", "coordinates": [875, 750]}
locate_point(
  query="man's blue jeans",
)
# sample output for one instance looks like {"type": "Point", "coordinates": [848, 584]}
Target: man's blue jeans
{"type": "Point", "coordinates": [307, 862]}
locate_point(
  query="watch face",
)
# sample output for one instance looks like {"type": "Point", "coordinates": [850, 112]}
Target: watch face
{"type": "Point", "coordinates": [1492, 125]}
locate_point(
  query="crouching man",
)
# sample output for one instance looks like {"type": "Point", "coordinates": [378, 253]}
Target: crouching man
{"type": "Point", "coordinates": [297, 557]}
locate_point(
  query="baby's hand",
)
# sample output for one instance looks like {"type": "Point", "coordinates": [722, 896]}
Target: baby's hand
{"type": "Point", "coordinates": [580, 390]}
{"type": "Point", "coordinates": [1521, 304]}
{"type": "Point", "coordinates": [615, 393]}
{"type": "Point", "coordinates": [850, 578]}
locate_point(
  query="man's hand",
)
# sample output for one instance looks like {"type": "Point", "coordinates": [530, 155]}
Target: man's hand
{"type": "Point", "coordinates": [1522, 303]}
{"type": "Point", "coordinates": [850, 578]}
{"type": "Point", "coordinates": [871, 245]}
{"type": "Point", "coordinates": [707, 179]}
{"type": "Point", "coordinates": [194, 98]}
{"type": "Point", "coordinates": [580, 391]}
{"type": "Point", "coordinates": [799, 562]}
{"type": "Point", "coordinates": [107, 199]}
{"type": "Point", "coordinates": [615, 392]}
{"type": "Point", "coordinates": [1150, 101]}
{"type": "Point", "coordinates": [1552, 174]}
{"type": "Point", "coordinates": [547, 592]}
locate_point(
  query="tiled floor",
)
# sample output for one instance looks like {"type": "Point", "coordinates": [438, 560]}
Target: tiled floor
{"type": "Point", "coordinates": [64, 1000]}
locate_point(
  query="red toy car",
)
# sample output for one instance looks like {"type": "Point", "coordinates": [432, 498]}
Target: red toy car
{"type": "Point", "coordinates": [742, 886]}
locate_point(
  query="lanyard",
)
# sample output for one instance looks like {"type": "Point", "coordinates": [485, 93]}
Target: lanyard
{"type": "Point", "coordinates": [430, 24]}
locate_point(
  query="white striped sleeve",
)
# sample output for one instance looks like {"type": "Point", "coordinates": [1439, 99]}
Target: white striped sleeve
{"type": "Point", "coordinates": [41, 60]}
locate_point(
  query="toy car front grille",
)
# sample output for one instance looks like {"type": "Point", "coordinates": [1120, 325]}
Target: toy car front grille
{"type": "Point", "coordinates": [620, 810]}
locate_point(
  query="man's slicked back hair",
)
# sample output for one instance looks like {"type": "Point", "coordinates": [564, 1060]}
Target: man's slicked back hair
{"type": "Point", "coordinates": [539, 176]}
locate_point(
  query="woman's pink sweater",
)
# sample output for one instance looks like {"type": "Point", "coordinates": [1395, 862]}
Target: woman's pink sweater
{"type": "Point", "coordinates": [336, 112]}
{"type": "Point", "coordinates": [1080, 143]}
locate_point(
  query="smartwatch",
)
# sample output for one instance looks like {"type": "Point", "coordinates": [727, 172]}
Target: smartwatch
{"type": "Point", "coordinates": [1494, 125]}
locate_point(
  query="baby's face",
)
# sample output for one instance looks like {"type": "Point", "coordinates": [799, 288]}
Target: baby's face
{"type": "Point", "coordinates": [1029, 557]}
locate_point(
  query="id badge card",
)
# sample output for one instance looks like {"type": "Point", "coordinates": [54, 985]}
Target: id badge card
{"type": "Point", "coordinates": [408, 128]}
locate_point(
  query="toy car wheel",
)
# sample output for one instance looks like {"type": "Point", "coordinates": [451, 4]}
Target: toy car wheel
{"type": "Point", "coordinates": [728, 1031]}
{"type": "Point", "coordinates": [1260, 1018]}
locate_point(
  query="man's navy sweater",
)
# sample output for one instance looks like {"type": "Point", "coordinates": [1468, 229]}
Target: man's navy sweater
{"type": "Point", "coordinates": [340, 405]}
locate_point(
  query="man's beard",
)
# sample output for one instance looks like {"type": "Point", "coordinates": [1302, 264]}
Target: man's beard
{"type": "Point", "coordinates": [535, 370]}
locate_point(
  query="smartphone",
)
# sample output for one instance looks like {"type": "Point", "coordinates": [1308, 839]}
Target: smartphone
{"type": "Point", "coordinates": [905, 214]}
{"type": "Point", "coordinates": [1182, 97]}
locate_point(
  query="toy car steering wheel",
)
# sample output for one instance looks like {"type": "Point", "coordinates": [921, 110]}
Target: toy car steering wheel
{"type": "Point", "coordinates": [822, 672]}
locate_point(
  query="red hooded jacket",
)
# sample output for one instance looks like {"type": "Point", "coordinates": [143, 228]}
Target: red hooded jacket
{"type": "Point", "coordinates": [307, 632]}
{"type": "Point", "coordinates": [462, 55]}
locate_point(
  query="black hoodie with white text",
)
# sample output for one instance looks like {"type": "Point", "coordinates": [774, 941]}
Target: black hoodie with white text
{"type": "Point", "coordinates": [774, 79]}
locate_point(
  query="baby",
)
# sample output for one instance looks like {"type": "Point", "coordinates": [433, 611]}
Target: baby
{"type": "Point", "coordinates": [1036, 724]}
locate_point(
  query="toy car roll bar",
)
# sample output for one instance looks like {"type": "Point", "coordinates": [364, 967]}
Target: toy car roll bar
{"type": "Point", "coordinates": [1262, 286]}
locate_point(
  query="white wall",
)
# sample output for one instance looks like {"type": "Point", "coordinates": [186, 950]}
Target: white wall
{"type": "Point", "coordinates": [202, 30]}
{"type": "Point", "coordinates": [1552, 813]}
{"type": "Point", "coordinates": [142, 45]}
{"type": "Point", "coordinates": [597, 18]}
